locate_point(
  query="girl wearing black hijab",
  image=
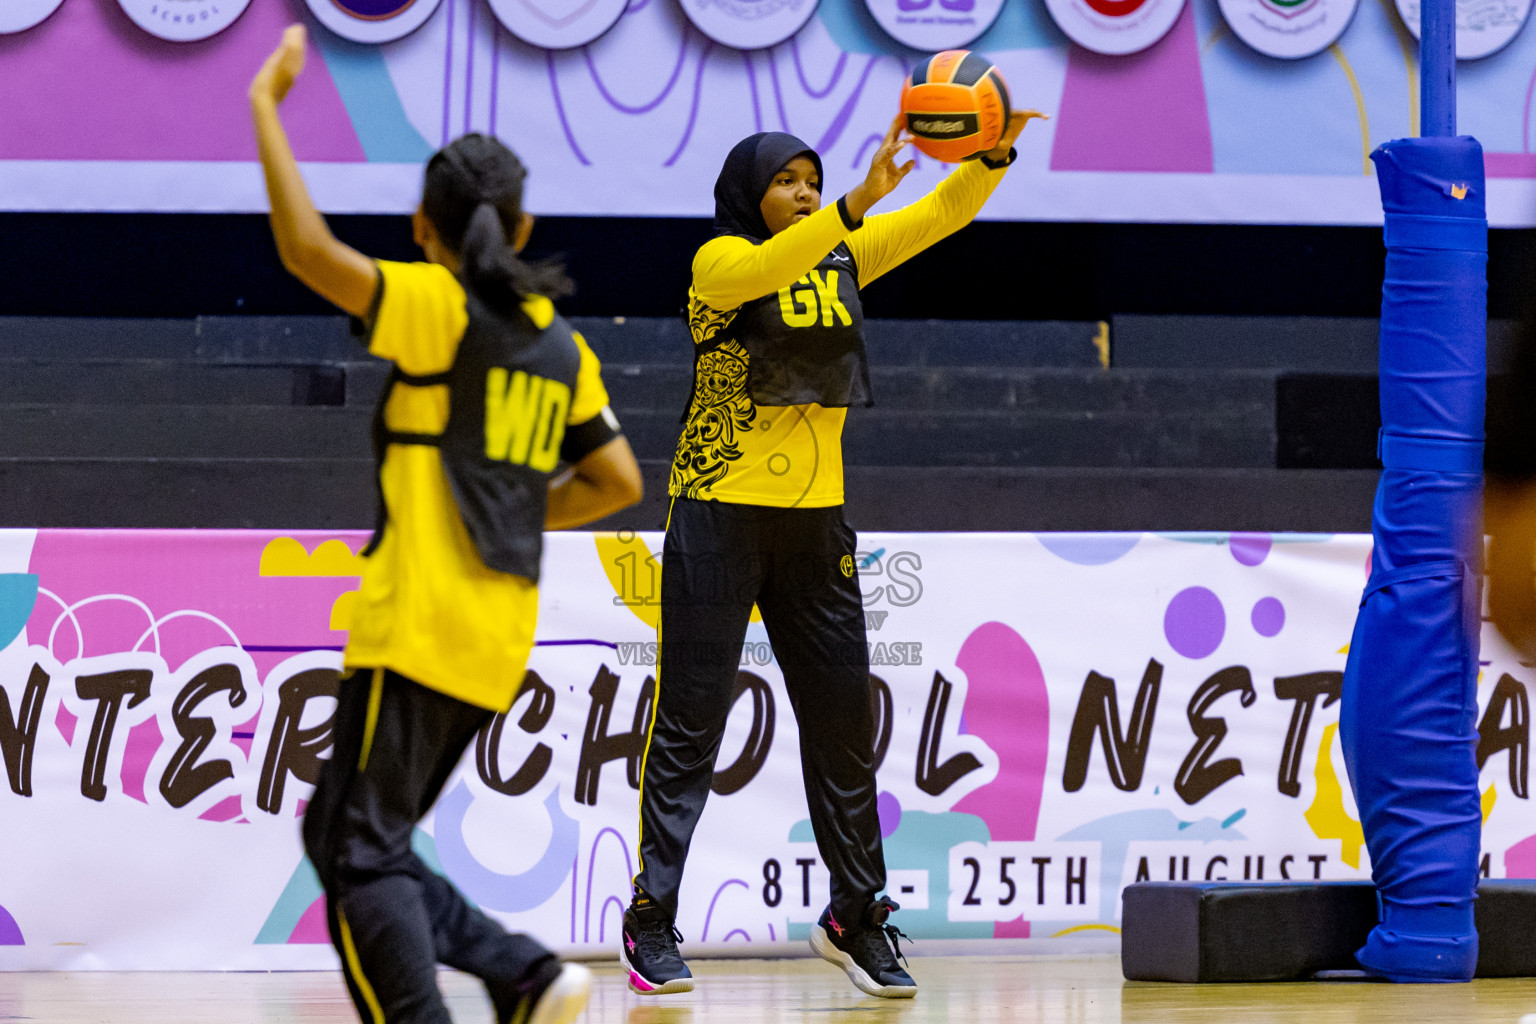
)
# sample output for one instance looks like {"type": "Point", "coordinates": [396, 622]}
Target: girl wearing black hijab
{"type": "Point", "coordinates": [756, 517]}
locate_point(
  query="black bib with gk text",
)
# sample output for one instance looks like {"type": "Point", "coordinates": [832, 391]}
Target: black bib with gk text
{"type": "Point", "coordinates": [806, 341]}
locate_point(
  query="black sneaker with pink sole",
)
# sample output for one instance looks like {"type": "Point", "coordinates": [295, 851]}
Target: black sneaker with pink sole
{"type": "Point", "coordinates": [649, 952]}
{"type": "Point", "coordinates": [867, 950]}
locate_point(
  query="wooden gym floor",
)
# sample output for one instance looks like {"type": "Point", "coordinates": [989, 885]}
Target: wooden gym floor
{"type": "Point", "coordinates": [970, 989]}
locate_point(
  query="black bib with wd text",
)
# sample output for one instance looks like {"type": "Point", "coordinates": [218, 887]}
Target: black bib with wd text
{"type": "Point", "coordinates": [510, 392]}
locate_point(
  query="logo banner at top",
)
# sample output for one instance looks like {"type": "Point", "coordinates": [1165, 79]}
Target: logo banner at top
{"type": "Point", "coordinates": [1159, 110]}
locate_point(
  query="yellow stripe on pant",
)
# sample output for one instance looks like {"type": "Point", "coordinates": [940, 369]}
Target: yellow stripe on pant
{"type": "Point", "coordinates": [371, 722]}
{"type": "Point", "coordinates": [650, 728]}
{"type": "Point", "coordinates": [354, 968]}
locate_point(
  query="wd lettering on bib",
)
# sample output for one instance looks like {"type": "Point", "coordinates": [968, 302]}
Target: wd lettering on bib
{"type": "Point", "coordinates": [948, 126]}
{"type": "Point", "coordinates": [511, 388]}
{"type": "Point", "coordinates": [524, 418]}
{"type": "Point", "coordinates": [813, 297]}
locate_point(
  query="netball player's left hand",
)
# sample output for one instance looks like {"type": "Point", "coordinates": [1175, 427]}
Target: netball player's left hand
{"type": "Point", "coordinates": [276, 76]}
{"type": "Point", "coordinates": [884, 173]}
{"type": "Point", "coordinates": [1016, 123]}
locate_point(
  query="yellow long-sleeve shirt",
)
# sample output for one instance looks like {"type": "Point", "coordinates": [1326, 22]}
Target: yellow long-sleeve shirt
{"type": "Point", "coordinates": [733, 449]}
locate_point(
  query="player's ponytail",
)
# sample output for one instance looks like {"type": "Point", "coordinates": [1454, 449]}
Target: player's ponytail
{"type": "Point", "coordinates": [474, 198]}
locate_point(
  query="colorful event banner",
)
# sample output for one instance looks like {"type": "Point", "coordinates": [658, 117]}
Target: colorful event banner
{"type": "Point", "coordinates": [1162, 110]}
{"type": "Point", "coordinates": [1057, 716]}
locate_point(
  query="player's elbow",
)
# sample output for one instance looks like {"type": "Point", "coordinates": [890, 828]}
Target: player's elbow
{"type": "Point", "coordinates": [300, 257]}
{"type": "Point", "coordinates": [613, 472]}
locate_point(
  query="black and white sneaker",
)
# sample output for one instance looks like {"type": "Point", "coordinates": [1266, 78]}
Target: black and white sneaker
{"type": "Point", "coordinates": [649, 953]}
{"type": "Point", "coordinates": [556, 993]}
{"type": "Point", "coordinates": [867, 951]}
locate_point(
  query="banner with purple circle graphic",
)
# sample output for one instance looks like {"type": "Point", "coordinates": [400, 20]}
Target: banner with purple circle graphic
{"type": "Point", "coordinates": [186, 21]}
{"type": "Point", "coordinates": [749, 24]}
{"type": "Point", "coordinates": [933, 25]}
{"type": "Point", "coordinates": [1087, 711]}
{"type": "Point", "coordinates": [20, 15]}
{"type": "Point", "coordinates": [558, 24]}
{"type": "Point", "coordinates": [1289, 29]}
{"type": "Point", "coordinates": [373, 21]}
{"type": "Point", "coordinates": [1483, 27]}
{"type": "Point", "coordinates": [1116, 27]}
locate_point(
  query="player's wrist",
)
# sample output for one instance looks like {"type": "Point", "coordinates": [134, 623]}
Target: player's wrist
{"type": "Point", "coordinates": [851, 221]}
{"type": "Point", "coordinates": [1000, 157]}
{"type": "Point", "coordinates": [856, 203]}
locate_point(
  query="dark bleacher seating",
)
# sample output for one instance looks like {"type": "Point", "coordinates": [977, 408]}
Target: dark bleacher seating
{"type": "Point", "coordinates": [1199, 423]}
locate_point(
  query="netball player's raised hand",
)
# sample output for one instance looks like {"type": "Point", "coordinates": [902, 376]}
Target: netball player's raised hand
{"type": "Point", "coordinates": [1016, 122]}
{"type": "Point", "coordinates": [305, 244]}
{"type": "Point", "coordinates": [884, 173]}
{"type": "Point", "coordinates": [276, 76]}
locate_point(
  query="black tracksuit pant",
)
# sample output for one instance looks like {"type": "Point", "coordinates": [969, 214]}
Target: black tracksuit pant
{"type": "Point", "coordinates": [797, 565]}
{"type": "Point", "coordinates": [392, 919]}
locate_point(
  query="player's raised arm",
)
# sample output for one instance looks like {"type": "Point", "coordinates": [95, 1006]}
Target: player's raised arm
{"type": "Point", "coordinates": [309, 251]}
{"type": "Point", "coordinates": [890, 239]}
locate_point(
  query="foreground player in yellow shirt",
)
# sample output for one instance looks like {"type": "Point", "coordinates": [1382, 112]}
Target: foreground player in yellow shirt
{"type": "Point", "coordinates": [756, 517]}
{"type": "Point", "coordinates": [491, 392]}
